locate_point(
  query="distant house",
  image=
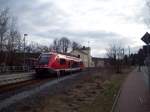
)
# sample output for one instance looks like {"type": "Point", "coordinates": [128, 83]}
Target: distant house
{"type": "Point", "coordinates": [99, 62]}
{"type": "Point", "coordinates": [85, 54]}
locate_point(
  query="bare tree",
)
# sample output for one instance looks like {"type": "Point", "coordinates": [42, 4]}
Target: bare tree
{"type": "Point", "coordinates": [19, 42]}
{"type": "Point", "coordinates": [4, 32]}
{"type": "Point", "coordinates": [34, 47]}
{"type": "Point", "coordinates": [64, 44]}
{"type": "Point", "coordinates": [56, 45]}
{"type": "Point", "coordinates": [115, 54]}
{"type": "Point", "coordinates": [13, 40]}
{"type": "Point", "coordinates": [10, 38]}
{"type": "Point", "coordinates": [44, 48]}
{"type": "Point", "coordinates": [75, 45]}
{"type": "Point", "coordinates": [4, 22]}
{"type": "Point", "coordinates": [14, 36]}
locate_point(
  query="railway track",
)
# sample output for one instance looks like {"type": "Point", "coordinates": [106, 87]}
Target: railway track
{"type": "Point", "coordinates": [37, 86]}
{"type": "Point", "coordinates": [12, 93]}
{"type": "Point", "coordinates": [12, 87]}
{"type": "Point", "coordinates": [20, 77]}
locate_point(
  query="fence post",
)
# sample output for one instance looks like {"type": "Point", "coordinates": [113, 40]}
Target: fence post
{"type": "Point", "coordinates": [147, 63]}
{"type": "Point", "coordinates": [148, 67]}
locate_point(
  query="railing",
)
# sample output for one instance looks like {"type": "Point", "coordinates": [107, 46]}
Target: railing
{"type": "Point", "coordinates": [145, 70]}
{"type": "Point", "coordinates": [15, 78]}
{"type": "Point", "coordinates": [14, 69]}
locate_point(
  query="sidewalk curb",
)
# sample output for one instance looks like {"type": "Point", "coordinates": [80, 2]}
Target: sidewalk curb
{"type": "Point", "coordinates": [116, 101]}
{"type": "Point", "coordinates": [114, 107]}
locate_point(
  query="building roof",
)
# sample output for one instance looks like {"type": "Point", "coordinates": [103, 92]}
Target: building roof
{"type": "Point", "coordinates": [82, 52]}
{"type": "Point", "coordinates": [99, 59]}
{"type": "Point", "coordinates": [85, 48]}
{"type": "Point", "coordinates": [79, 50]}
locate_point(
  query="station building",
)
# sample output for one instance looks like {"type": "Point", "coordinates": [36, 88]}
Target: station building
{"type": "Point", "coordinates": [85, 54]}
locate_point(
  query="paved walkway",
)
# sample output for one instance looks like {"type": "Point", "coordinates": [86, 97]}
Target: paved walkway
{"type": "Point", "coordinates": [134, 95]}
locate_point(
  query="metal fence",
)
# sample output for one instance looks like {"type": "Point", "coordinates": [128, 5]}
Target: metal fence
{"type": "Point", "coordinates": [146, 71]}
{"type": "Point", "coordinates": [14, 69]}
{"type": "Point", "coordinates": [15, 78]}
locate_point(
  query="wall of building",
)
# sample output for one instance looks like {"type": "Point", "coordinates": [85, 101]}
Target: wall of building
{"type": "Point", "coordinates": [86, 57]}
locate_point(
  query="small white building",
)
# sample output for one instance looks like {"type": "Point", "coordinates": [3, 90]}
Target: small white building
{"type": "Point", "coordinates": [85, 54]}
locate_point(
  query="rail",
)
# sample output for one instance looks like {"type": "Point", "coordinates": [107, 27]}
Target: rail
{"type": "Point", "coordinates": [12, 78]}
{"type": "Point", "coordinates": [15, 78]}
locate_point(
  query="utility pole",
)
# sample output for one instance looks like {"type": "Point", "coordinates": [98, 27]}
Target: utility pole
{"type": "Point", "coordinates": [88, 55]}
{"type": "Point", "coordinates": [129, 50]}
{"type": "Point", "coordinates": [148, 56]}
{"type": "Point", "coordinates": [146, 39]}
{"type": "Point", "coordinates": [24, 39]}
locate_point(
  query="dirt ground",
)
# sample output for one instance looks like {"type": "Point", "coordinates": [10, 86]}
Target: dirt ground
{"type": "Point", "coordinates": [95, 92]}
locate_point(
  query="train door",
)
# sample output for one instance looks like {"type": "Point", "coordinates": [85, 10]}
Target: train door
{"type": "Point", "coordinates": [63, 63]}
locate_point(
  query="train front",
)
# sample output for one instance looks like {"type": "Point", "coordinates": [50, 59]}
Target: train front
{"type": "Point", "coordinates": [44, 64]}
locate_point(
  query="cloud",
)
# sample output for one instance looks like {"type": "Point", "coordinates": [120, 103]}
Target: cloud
{"type": "Point", "coordinates": [99, 21]}
{"type": "Point", "coordinates": [98, 39]}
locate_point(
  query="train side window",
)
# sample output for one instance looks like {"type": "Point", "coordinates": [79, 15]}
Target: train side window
{"type": "Point", "coordinates": [69, 64]}
{"type": "Point", "coordinates": [62, 61]}
{"type": "Point", "coordinates": [81, 63]}
{"type": "Point", "coordinates": [57, 60]}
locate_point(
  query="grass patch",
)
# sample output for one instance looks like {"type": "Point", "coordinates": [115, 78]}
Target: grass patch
{"type": "Point", "coordinates": [104, 101]}
{"type": "Point", "coordinates": [92, 93]}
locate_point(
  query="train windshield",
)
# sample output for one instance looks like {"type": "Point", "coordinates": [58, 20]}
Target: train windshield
{"type": "Point", "coordinates": [44, 58]}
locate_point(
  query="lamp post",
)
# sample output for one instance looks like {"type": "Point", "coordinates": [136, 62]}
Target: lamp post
{"type": "Point", "coordinates": [24, 40]}
{"type": "Point", "coordinates": [146, 39]}
{"type": "Point", "coordinates": [88, 55]}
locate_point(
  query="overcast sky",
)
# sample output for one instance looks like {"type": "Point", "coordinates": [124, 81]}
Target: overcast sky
{"type": "Point", "coordinates": [102, 22]}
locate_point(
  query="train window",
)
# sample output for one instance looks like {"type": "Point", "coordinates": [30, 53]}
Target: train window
{"type": "Point", "coordinates": [62, 61]}
{"type": "Point", "coordinates": [81, 63]}
{"type": "Point", "coordinates": [69, 64]}
{"type": "Point", "coordinates": [44, 58]}
{"type": "Point", "coordinates": [75, 64]}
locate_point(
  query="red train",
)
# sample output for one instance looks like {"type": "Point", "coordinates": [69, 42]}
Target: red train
{"type": "Point", "coordinates": [58, 63]}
